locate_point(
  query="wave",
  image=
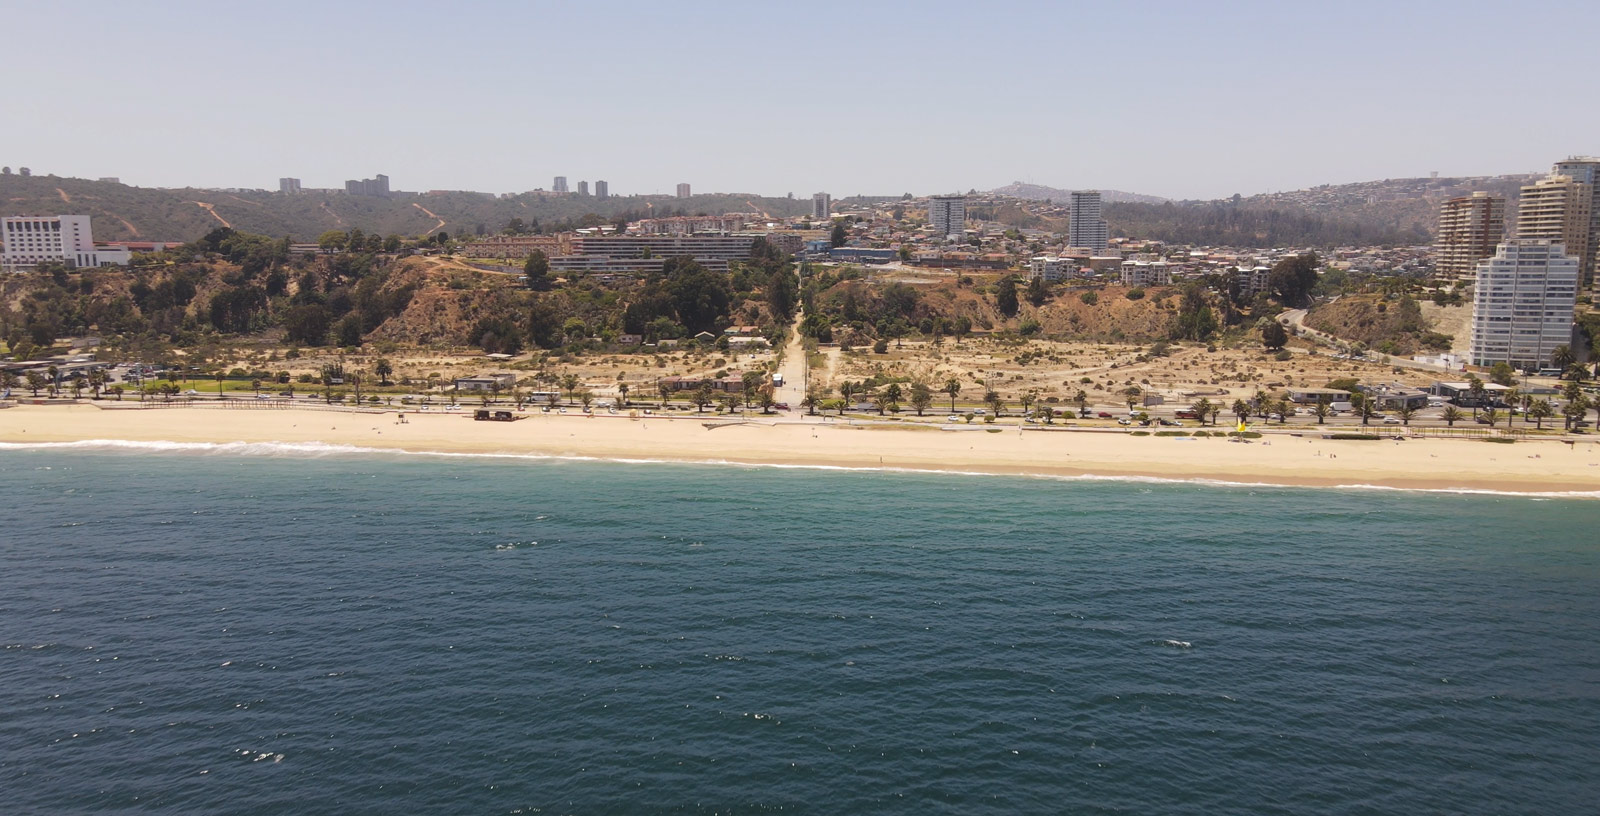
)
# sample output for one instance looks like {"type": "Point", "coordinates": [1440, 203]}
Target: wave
{"type": "Point", "coordinates": [325, 449]}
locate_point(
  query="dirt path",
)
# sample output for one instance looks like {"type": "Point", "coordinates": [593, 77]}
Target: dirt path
{"type": "Point", "coordinates": [336, 218]}
{"type": "Point", "coordinates": [751, 205]}
{"type": "Point", "coordinates": [430, 214]}
{"type": "Point", "coordinates": [64, 197]}
{"type": "Point", "coordinates": [244, 201]}
{"type": "Point", "coordinates": [213, 210]}
{"type": "Point", "coordinates": [131, 228]}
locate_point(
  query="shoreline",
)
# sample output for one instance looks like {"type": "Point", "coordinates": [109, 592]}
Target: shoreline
{"type": "Point", "coordinates": [1278, 459]}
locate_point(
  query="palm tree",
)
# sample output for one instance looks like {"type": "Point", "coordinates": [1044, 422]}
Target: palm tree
{"type": "Point", "coordinates": [1406, 411]}
{"type": "Point", "coordinates": [1541, 410]}
{"type": "Point", "coordinates": [1475, 388]}
{"type": "Point", "coordinates": [952, 387]}
{"type": "Point", "coordinates": [1216, 411]}
{"type": "Point", "coordinates": [1201, 408]}
{"type": "Point", "coordinates": [1241, 409]}
{"type": "Point", "coordinates": [812, 398]}
{"type": "Point", "coordinates": [1082, 399]}
{"type": "Point", "coordinates": [995, 404]}
{"type": "Point", "coordinates": [894, 393]}
{"type": "Point", "coordinates": [1574, 410]}
{"type": "Point", "coordinates": [1452, 415]}
{"type": "Point", "coordinates": [36, 381]}
{"type": "Point", "coordinates": [1562, 358]}
{"type": "Point", "coordinates": [383, 368]}
{"type": "Point", "coordinates": [1492, 416]}
{"type": "Point", "coordinates": [8, 381]}
{"type": "Point", "coordinates": [1323, 408]}
{"type": "Point", "coordinates": [1028, 398]}
{"type": "Point", "coordinates": [622, 388]}
{"type": "Point", "coordinates": [569, 384]}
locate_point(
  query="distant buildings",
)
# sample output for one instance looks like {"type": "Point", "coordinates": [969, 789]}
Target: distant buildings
{"type": "Point", "coordinates": [948, 215]}
{"type": "Point", "coordinates": [1557, 209]}
{"type": "Point", "coordinates": [1523, 304]}
{"type": "Point", "coordinates": [601, 189]}
{"type": "Point", "coordinates": [560, 185]}
{"type": "Point", "coordinates": [1586, 170]}
{"type": "Point", "coordinates": [376, 186]}
{"type": "Point", "coordinates": [583, 188]}
{"type": "Point", "coordinates": [692, 224]}
{"type": "Point", "coordinates": [821, 206]}
{"type": "Point", "coordinates": [683, 190]}
{"type": "Point", "coordinates": [1085, 227]}
{"type": "Point", "coordinates": [1470, 227]}
{"type": "Point", "coordinates": [1146, 273]}
{"type": "Point", "coordinates": [288, 186]}
{"type": "Point", "coordinates": [30, 240]}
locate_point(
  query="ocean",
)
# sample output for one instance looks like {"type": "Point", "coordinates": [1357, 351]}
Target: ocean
{"type": "Point", "coordinates": [269, 629]}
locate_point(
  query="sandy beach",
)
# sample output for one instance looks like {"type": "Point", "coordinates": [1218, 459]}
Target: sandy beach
{"type": "Point", "coordinates": [1434, 464]}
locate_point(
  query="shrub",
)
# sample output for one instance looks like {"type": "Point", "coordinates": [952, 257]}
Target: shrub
{"type": "Point", "coordinates": [1359, 436]}
{"type": "Point", "coordinates": [1136, 293]}
{"type": "Point", "coordinates": [1089, 298]}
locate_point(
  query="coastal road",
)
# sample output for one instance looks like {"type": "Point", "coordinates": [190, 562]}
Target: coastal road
{"type": "Point", "coordinates": [793, 368]}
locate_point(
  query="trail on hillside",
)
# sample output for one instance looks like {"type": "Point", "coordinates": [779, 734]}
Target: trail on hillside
{"type": "Point", "coordinates": [752, 205]}
{"type": "Point", "coordinates": [329, 211]}
{"type": "Point", "coordinates": [430, 214]}
{"type": "Point", "coordinates": [244, 201]}
{"type": "Point", "coordinates": [131, 228]}
{"type": "Point", "coordinates": [64, 197]}
{"type": "Point", "coordinates": [213, 210]}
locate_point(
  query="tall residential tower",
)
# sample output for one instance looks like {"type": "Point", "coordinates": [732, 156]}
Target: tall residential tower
{"type": "Point", "coordinates": [1470, 227]}
{"type": "Point", "coordinates": [1586, 170]}
{"type": "Point", "coordinates": [1557, 209]}
{"type": "Point", "coordinates": [821, 206]}
{"type": "Point", "coordinates": [1085, 227]}
{"type": "Point", "coordinates": [948, 215]}
{"type": "Point", "coordinates": [1523, 304]}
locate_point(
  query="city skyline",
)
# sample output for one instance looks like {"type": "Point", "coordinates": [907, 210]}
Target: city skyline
{"type": "Point", "coordinates": [1250, 99]}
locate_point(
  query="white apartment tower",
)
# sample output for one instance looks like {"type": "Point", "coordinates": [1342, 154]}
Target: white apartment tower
{"type": "Point", "coordinates": [289, 186]}
{"type": "Point", "coordinates": [30, 240]}
{"type": "Point", "coordinates": [948, 215]}
{"type": "Point", "coordinates": [1523, 304]}
{"type": "Point", "coordinates": [1085, 227]}
{"type": "Point", "coordinates": [1586, 170]}
{"type": "Point", "coordinates": [601, 189]}
{"type": "Point", "coordinates": [1470, 228]}
{"type": "Point", "coordinates": [821, 206]}
{"type": "Point", "coordinates": [683, 190]}
{"type": "Point", "coordinates": [560, 185]}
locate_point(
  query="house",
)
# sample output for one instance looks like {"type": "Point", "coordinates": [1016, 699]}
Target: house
{"type": "Point", "coordinates": [705, 337]}
{"type": "Point", "coordinates": [1460, 393]}
{"type": "Point", "coordinates": [1312, 396]}
{"type": "Point", "coordinates": [487, 382]}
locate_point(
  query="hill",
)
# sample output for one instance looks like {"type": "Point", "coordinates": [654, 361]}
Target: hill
{"type": "Point", "coordinates": [1039, 192]}
{"type": "Point", "coordinates": [124, 213]}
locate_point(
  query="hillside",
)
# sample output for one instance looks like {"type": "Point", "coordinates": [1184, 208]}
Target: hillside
{"type": "Point", "coordinates": [123, 213]}
{"type": "Point", "coordinates": [1039, 192]}
{"type": "Point", "coordinates": [1395, 327]}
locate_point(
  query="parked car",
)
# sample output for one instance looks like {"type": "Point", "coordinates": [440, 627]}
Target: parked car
{"type": "Point", "coordinates": [1104, 415]}
{"type": "Point", "coordinates": [1391, 420]}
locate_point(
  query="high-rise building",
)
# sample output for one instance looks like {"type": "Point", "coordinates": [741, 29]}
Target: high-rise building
{"type": "Point", "coordinates": [683, 190]}
{"type": "Point", "coordinates": [1085, 227]}
{"type": "Point", "coordinates": [583, 188]}
{"type": "Point", "coordinates": [560, 185]}
{"type": "Point", "coordinates": [30, 240]}
{"type": "Point", "coordinates": [601, 189]}
{"type": "Point", "coordinates": [1470, 227]}
{"type": "Point", "coordinates": [289, 185]}
{"type": "Point", "coordinates": [1557, 208]}
{"type": "Point", "coordinates": [1586, 170]}
{"type": "Point", "coordinates": [1523, 304]}
{"type": "Point", "coordinates": [948, 215]}
{"type": "Point", "coordinates": [821, 206]}
{"type": "Point", "coordinates": [376, 186]}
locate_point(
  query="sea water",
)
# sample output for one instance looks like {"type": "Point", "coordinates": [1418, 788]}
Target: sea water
{"type": "Point", "coordinates": [269, 630]}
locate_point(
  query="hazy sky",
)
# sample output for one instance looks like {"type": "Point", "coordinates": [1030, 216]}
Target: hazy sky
{"type": "Point", "coordinates": [1182, 99]}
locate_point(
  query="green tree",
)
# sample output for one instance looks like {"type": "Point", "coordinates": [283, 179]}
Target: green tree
{"type": "Point", "coordinates": [383, 368]}
{"type": "Point", "coordinates": [1038, 292]}
{"type": "Point", "coordinates": [332, 240]}
{"type": "Point", "coordinates": [1005, 296]}
{"type": "Point", "coordinates": [1502, 373]}
{"type": "Point", "coordinates": [1196, 320]}
{"type": "Point", "coordinates": [1406, 411]}
{"type": "Point", "coordinates": [537, 270]}
{"type": "Point", "coordinates": [702, 397]}
{"type": "Point", "coordinates": [1241, 409]}
{"type": "Point", "coordinates": [1082, 399]}
{"type": "Point", "coordinates": [952, 387]}
{"type": "Point", "coordinates": [995, 403]}
{"type": "Point", "coordinates": [1273, 335]}
{"type": "Point", "coordinates": [1452, 415]}
{"type": "Point", "coordinates": [921, 397]}
{"type": "Point", "coordinates": [1292, 279]}
{"type": "Point", "coordinates": [839, 235]}
{"type": "Point", "coordinates": [1322, 409]}
{"type": "Point", "coordinates": [569, 384]}
{"type": "Point", "coordinates": [1562, 358]}
{"type": "Point", "coordinates": [36, 381]}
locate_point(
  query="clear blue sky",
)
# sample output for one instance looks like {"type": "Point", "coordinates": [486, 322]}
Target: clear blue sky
{"type": "Point", "coordinates": [1181, 99]}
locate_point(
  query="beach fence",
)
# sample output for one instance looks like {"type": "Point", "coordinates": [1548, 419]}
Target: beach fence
{"type": "Point", "coordinates": [242, 405]}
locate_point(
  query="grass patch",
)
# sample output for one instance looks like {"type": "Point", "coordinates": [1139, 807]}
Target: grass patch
{"type": "Point", "coordinates": [993, 430]}
{"type": "Point", "coordinates": [1368, 437]}
{"type": "Point", "coordinates": [1174, 433]}
{"type": "Point", "coordinates": [1140, 433]}
{"type": "Point", "coordinates": [1500, 440]}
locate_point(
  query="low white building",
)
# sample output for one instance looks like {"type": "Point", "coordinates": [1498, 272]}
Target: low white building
{"type": "Point", "coordinates": [1146, 273]}
{"type": "Point", "coordinates": [30, 240]}
{"type": "Point", "coordinates": [1052, 268]}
